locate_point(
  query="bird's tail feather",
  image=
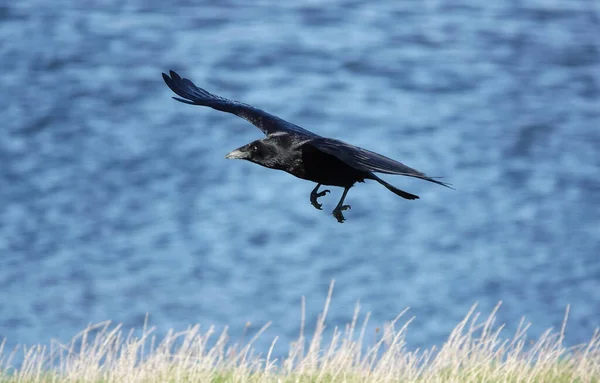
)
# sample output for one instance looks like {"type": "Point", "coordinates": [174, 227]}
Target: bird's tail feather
{"type": "Point", "coordinates": [394, 189]}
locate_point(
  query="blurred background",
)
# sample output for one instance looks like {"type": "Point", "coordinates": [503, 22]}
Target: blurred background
{"type": "Point", "coordinates": [116, 201]}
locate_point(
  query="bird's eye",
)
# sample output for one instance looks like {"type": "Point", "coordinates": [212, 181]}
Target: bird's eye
{"type": "Point", "coordinates": [254, 148]}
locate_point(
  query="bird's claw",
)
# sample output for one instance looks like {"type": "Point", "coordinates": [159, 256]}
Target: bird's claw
{"type": "Point", "coordinates": [337, 213]}
{"type": "Point", "coordinates": [314, 196]}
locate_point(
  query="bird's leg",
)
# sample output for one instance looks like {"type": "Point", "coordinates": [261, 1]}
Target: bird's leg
{"type": "Point", "coordinates": [337, 212]}
{"type": "Point", "coordinates": [315, 194]}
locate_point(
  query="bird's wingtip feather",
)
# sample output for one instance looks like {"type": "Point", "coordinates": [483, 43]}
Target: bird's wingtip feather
{"type": "Point", "coordinates": [446, 184]}
{"type": "Point", "coordinates": [184, 100]}
{"type": "Point", "coordinates": [174, 75]}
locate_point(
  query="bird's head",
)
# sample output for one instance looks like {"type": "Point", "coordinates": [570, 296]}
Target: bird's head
{"type": "Point", "coordinates": [262, 152]}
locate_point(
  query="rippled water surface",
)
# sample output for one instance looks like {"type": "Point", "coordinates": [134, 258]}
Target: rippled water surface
{"type": "Point", "coordinates": [116, 201]}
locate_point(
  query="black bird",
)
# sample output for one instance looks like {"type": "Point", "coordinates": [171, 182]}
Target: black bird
{"type": "Point", "coordinates": [302, 153]}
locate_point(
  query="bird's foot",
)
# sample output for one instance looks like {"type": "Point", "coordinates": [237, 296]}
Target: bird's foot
{"type": "Point", "coordinates": [337, 212]}
{"type": "Point", "coordinates": [314, 196]}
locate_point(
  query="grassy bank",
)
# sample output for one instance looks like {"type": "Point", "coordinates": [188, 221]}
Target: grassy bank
{"type": "Point", "coordinates": [475, 351]}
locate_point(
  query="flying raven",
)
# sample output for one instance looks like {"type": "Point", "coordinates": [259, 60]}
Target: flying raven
{"type": "Point", "coordinates": [302, 153]}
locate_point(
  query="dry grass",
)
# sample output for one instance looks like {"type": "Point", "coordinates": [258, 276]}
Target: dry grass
{"type": "Point", "coordinates": [474, 352]}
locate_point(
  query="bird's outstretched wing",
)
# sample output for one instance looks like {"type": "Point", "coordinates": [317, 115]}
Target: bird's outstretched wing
{"type": "Point", "coordinates": [264, 121]}
{"type": "Point", "coordinates": [366, 160]}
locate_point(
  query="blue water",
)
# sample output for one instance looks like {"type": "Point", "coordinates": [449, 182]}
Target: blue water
{"type": "Point", "coordinates": [116, 201]}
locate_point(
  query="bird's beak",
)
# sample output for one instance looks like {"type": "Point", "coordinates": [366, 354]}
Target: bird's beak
{"type": "Point", "coordinates": [237, 154]}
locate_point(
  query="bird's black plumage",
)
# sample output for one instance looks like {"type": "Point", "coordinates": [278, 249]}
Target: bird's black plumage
{"type": "Point", "coordinates": [302, 153]}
